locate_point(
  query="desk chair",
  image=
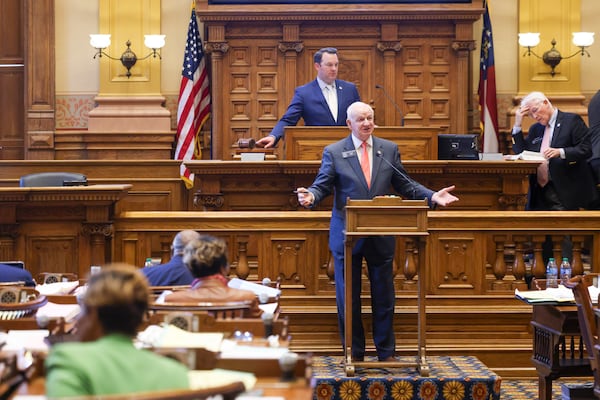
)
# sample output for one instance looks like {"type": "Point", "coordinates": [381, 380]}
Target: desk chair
{"type": "Point", "coordinates": [587, 325]}
{"type": "Point", "coordinates": [219, 310]}
{"type": "Point", "coordinates": [53, 179]}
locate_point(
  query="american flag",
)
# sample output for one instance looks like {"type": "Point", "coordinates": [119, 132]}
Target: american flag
{"type": "Point", "coordinates": [193, 109]}
{"type": "Point", "coordinates": [488, 112]}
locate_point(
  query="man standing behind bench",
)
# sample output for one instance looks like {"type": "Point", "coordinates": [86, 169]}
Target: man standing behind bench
{"type": "Point", "coordinates": [321, 102]}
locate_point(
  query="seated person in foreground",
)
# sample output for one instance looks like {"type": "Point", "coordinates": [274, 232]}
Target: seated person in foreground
{"type": "Point", "coordinates": [174, 272]}
{"type": "Point", "coordinates": [207, 259]}
{"type": "Point", "coordinates": [106, 362]}
{"type": "Point", "coordinates": [9, 273]}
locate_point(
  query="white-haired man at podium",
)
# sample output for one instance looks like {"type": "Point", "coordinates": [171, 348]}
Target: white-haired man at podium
{"type": "Point", "coordinates": [361, 167]}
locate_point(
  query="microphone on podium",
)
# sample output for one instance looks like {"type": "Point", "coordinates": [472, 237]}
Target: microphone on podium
{"type": "Point", "coordinates": [393, 102]}
{"type": "Point", "coordinates": [379, 154]}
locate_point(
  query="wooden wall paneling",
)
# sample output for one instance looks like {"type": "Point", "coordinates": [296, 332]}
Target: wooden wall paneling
{"type": "Point", "coordinates": [12, 79]}
{"type": "Point", "coordinates": [40, 118]}
{"type": "Point", "coordinates": [419, 53]}
{"type": "Point", "coordinates": [156, 185]}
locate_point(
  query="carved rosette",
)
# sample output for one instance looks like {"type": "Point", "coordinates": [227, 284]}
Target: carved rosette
{"type": "Point", "coordinates": [105, 229]}
{"type": "Point", "coordinates": [391, 45]}
{"type": "Point", "coordinates": [463, 45]}
{"type": "Point", "coordinates": [216, 47]}
{"type": "Point", "coordinates": [209, 200]}
{"type": "Point", "coordinates": [284, 47]}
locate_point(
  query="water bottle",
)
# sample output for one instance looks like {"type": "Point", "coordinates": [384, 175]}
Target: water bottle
{"type": "Point", "coordinates": [148, 262]}
{"type": "Point", "coordinates": [565, 270]}
{"type": "Point", "coordinates": [551, 274]}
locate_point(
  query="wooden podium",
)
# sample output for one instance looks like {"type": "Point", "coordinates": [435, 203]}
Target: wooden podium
{"type": "Point", "coordinates": [386, 216]}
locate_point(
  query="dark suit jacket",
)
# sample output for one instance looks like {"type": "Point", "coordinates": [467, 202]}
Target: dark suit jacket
{"type": "Point", "coordinates": [8, 273]}
{"type": "Point", "coordinates": [572, 176]}
{"type": "Point", "coordinates": [309, 104]}
{"type": "Point", "coordinates": [173, 273]}
{"type": "Point", "coordinates": [340, 173]}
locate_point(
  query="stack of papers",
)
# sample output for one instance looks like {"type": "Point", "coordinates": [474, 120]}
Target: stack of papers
{"type": "Point", "coordinates": [561, 294]}
{"type": "Point", "coordinates": [54, 311]}
{"type": "Point", "coordinates": [206, 379]}
{"type": "Point", "coordinates": [257, 288]}
{"type": "Point", "coordinates": [170, 336]}
{"type": "Point", "coordinates": [57, 288]}
{"type": "Point", "coordinates": [527, 156]}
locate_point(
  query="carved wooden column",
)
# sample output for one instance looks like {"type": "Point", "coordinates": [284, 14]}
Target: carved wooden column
{"type": "Point", "coordinates": [216, 46]}
{"type": "Point", "coordinates": [390, 47]}
{"type": "Point", "coordinates": [462, 46]}
{"type": "Point", "coordinates": [40, 119]}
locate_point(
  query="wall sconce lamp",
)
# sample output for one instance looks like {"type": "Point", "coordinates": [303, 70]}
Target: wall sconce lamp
{"type": "Point", "coordinates": [553, 57]}
{"type": "Point", "coordinates": [128, 58]}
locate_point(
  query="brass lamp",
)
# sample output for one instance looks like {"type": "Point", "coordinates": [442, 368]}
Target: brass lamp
{"type": "Point", "coordinates": [553, 57]}
{"type": "Point", "coordinates": [128, 58]}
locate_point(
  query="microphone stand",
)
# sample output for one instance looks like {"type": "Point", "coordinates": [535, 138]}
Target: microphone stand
{"type": "Point", "coordinates": [385, 93]}
{"type": "Point", "coordinates": [379, 154]}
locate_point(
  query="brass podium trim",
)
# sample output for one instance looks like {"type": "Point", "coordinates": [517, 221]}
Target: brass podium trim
{"type": "Point", "coordinates": [386, 216]}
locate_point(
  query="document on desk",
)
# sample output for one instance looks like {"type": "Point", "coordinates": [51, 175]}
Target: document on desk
{"type": "Point", "coordinates": [29, 340]}
{"type": "Point", "coordinates": [205, 379]}
{"type": "Point", "coordinates": [54, 310]}
{"type": "Point", "coordinates": [238, 283]}
{"type": "Point", "coordinates": [169, 336]}
{"type": "Point", "coordinates": [561, 294]}
{"type": "Point", "coordinates": [57, 288]}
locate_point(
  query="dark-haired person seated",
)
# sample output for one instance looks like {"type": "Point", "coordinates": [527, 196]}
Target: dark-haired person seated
{"type": "Point", "coordinates": [106, 361]}
{"type": "Point", "coordinates": [9, 273]}
{"type": "Point", "coordinates": [173, 273]}
{"type": "Point", "coordinates": [207, 259]}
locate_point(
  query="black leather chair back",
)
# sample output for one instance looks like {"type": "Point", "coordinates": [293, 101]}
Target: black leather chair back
{"type": "Point", "coordinates": [53, 179]}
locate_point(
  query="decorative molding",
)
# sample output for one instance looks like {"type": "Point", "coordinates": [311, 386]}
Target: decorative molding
{"type": "Point", "coordinates": [209, 200]}
{"type": "Point", "coordinates": [216, 47]}
{"type": "Point", "coordinates": [463, 45]}
{"type": "Point", "coordinates": [106, 230]}
{"type": "Point", "coordinates": [284, 47]}
{"type": "Point", "coordinates": [391, 45]}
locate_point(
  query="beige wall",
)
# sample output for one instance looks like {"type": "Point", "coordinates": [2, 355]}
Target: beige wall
{"type": "Point", "coordinates": [76, 71]}
{"type": "Point", "coordinates": [504, 17]}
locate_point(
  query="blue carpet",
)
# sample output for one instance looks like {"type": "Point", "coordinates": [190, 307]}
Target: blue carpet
{"type": "Point", "coordinates": [450, 378]}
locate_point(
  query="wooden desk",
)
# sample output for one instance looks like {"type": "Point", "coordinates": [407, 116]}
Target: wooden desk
{"type": "Point", "coordinates": [269, 185]}
{"type": "Point", "coordinates": [557, 346]}
{"type": "Point", "coordinates": [415, 142]}
{"type": "Point", "coordinates": [59, 229]}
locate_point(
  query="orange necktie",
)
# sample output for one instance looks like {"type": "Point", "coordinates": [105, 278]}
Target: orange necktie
{"type": "Point", "coordinates": [542, 170]}
{"type": "Point", "coordinates": [364, 163]}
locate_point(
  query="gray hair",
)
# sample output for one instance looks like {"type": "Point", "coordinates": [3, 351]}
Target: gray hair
{"type": "Point", "coordinates": [534, 98]}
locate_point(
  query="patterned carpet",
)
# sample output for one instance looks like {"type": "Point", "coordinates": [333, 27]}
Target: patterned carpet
{"type": "Point", "coordinates": [450, 378]}
{"type": "Point", "coordinates": [528, 389]}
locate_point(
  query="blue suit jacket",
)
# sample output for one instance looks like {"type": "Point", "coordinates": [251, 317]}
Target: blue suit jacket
{"type": "Point", "coordinates": [309, 104]}
{"type": "Point", "coordinates": [340, 173]}
{"type": "Point", "coordinates": [572, 177]}
{"type": "Point", "coordinates": [173, 273]}
{"type": "Point", "coordinates": [8, 273]}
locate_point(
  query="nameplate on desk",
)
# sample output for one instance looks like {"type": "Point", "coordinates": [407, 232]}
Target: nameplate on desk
{"type": "Point", "coordinates": [252, 156]}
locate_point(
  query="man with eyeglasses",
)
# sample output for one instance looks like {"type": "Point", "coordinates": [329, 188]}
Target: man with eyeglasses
{"type": "Point", "coordinates": [564, 179]}
{"type": "Point", "coordinates": [321, 102]}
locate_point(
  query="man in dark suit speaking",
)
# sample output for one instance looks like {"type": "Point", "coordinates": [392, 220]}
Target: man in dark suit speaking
{"type": "Point", "coordinates": [363, 166]}
{"type": "Point", "coordinates": [321, 102]}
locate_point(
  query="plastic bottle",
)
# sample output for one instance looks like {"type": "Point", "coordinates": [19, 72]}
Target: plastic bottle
{"type": "Point", "coordinates": [565, 270]}
{"type": "Point", "coordinates": [551, 274]}
{"type": "Point", "coordinates": [148, 262]}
